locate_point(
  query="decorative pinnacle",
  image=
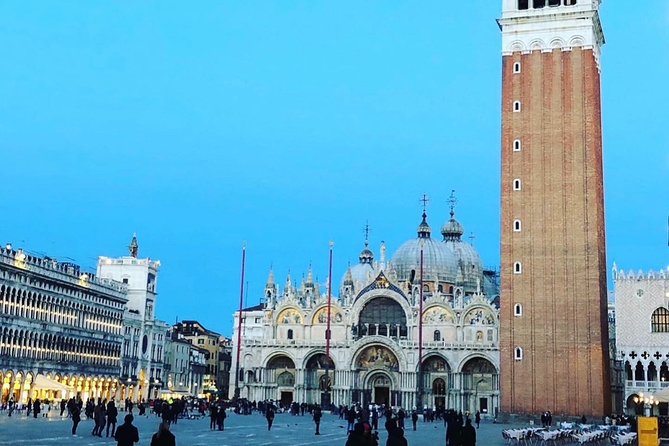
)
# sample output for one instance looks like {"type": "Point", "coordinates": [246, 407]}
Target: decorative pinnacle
{"type": "Point", "coordinates": [425, 200]}
{"type": "Point", "coordinates": [452, 201]}
{"type": "Point", "coordinates": [366, 230]}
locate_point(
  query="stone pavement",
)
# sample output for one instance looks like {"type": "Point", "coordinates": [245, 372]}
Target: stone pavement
{"type": "Point", "coordinates": [240, 430]}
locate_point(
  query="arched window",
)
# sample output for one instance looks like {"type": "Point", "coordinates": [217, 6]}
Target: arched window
{"type": "Point", "coordinates": [517, 145]}
{"type": "Point", "coordinates": [290, 334]}
{"type": "Point", "coordinates": [517, 268]}
{"type": "Point", "coordinates": [516, 226]}
{"type": "Point", "coordinates": [516, 184]}
{"type": "Point", "coordinates": [659, 321]}
{"type": "Point", "coordinates": [516, 106]}
{"type": "Point", "coordinates": [437, 336]}
{"type": "Point", "coordinates": [518, 310]}
{"type": "Point", "coordinates": [518, 355]}
{"type": "Point", "coordinates": [516, 67]}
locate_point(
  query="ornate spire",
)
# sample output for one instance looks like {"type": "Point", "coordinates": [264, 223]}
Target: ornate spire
{"type": "Point", "coordinates": [424, 229]}
{"type": "Point", "coordinates": [270, 279]}
{"type": "Point", "coordinates": [134, 246]}
{"type": "Point", "coordinates": [348, 278]}
{"type": "Point", "coordinates": [452, 230]}
{"type": "Point", "coordinates": [310, 277]}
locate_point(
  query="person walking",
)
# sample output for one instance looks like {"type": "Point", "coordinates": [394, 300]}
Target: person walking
{"type": "Point", "coordinates": [163, 437]}
{"type": "Point", "coordinates": [11, 406]}
{"type": "Point", "coordinates": [317, 419]}
{"type": "Point", "coordinates": [270, 418]}
{"type": "Point", "coordinates": [468, 434]}
{"type": "Point", "coordinates": [477, 418]}
{"type": "Point", "coordinates": [126, 434]}
{"type": "Point", "coordinates": [63, 403]}
{"type": "Point", "coordinates": [75, 413]}
{"type": "Point", "coordinates": [112, 415]}
{"type": "Point", "coordinates": [414, 418]}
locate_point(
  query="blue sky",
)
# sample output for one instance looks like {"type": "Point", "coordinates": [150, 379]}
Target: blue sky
{"type": "Point", "coordinates": [287, 124]}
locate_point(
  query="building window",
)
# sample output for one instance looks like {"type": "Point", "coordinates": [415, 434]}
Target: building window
{"type": "Point", "coordinates": [516, 67]}
{"type": "Point", "coordinates": [537, 4]}
{"type": "Point", "coordinates": [659, 321]}
{"type": "Point", "coordinates": [516, 106]}
{"type": "Point", "coordinates": [553, 2]}
{"type": "Point", "coordinates": [200, 341]}
{"type": "Point", "coordinates": [437, 336]}
{"type": "Point", "coordinates": [125, 280]}
{"type": "Point", "coordinates": [517, 268]}
{"type": "Point", "coordinates": [523, 4]}
{"type": "Point", "coordinates": [569, 2]}
{"type": "Point", "coordinates": [516, 226]}
{"type": "Point", "coordinates": [518, 354]}
{"type": "Point", "coordinates": [516, 184]}
{"type": "Point", "coordinates": [516, 145]}
{"type": "Point", "coordinates": [518, 310]}
{"type": "Point", "coordinates": [290, 334]}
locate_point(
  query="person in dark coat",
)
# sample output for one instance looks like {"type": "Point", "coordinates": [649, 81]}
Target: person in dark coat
{"type": "Point", "coordinates": [37, 408]}
{"type": "Point", "coordinates": [112, 416]}
{"type": "Point", "coordinates": [477, 418]}
{"type": "Point", "coordinates": [220, 418]}
{"type": "Point", "coordinates": [126, 434]}
{"type": "Point", "coordinates": [63, 403]}
{"type": "Point", "coordinates": [468, 434]}
{"type": "Point", "coordinates": [270, 418]}
{"type": "Point", "coordinates": [317, 419]}
{"type": "Point", "coordinates": [75, 412]}
{"type": "Point", "coordinates": [213, 415]}
{"type": "Point", "coordinates": [396, 438]}
{"type": "Point", "coordinates": [414, 418]}
{"type": "Point", "coordinates": [163, 437]}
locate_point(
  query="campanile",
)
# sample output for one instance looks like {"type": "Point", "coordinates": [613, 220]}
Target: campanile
{"type": "Point", "coordinates": [554, 333]}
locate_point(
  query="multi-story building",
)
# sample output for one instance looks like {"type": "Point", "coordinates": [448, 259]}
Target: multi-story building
{"type": "Point", "coordinates": [208, 340]}
{"type": "Point", "coordinates": [376, 329]}
{"type": "Point", "coordinates": [224, 365]}
{"type": "Point", "coordinates": [144, 337]}
{"type": "Point", "coordinates": [642, 334]}
{"type": "Point", "coordinates": [554, 333]}
{"type": "Point", "coordinates": [62, 329]}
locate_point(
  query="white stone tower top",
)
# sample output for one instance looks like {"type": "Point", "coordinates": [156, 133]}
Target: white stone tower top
{"type": "Point", "coordinates": [550, 24]}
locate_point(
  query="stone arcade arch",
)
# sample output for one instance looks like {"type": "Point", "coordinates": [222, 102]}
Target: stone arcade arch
{"type": "Point", "coordinates": [281, 377]}
{"type": "Point", "coordinates": [480, 385]}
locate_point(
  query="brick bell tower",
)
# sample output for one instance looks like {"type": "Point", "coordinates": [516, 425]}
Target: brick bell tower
{"type": "Point", "coordinates": [554, 332]}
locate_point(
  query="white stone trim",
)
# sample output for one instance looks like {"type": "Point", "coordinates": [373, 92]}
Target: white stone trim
{"type": "Point", "coordinates": [551, 28]}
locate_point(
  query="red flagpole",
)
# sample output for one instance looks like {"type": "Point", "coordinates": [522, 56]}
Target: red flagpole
{"type": "Point", "coordinates": [420, 331]}
{"type": "Point", "coordinates": [239, 323]}
{"type": "Point", "coordinates": [327, 332]}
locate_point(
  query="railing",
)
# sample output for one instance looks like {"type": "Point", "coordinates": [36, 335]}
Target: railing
{"type": "Point", "coordinates": [402, 343]}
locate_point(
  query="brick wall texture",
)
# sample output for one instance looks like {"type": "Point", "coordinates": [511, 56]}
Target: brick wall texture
{"type": "Point", "coordinates": [563, 329]}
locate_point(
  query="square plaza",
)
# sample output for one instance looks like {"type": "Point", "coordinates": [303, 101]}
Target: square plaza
{"type": "Point", "coordinates": [239, 430]}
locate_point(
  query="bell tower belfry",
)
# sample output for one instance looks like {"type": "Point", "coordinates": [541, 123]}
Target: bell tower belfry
{"type": "Point", "coordinates": [554, 333]}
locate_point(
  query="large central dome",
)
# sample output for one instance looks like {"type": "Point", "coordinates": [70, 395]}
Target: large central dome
{"type": "Point", "coordinates": [439, 261]}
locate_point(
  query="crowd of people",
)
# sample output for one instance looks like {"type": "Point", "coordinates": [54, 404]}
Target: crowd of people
{"type": "Point", "coordinates": [362, 422]}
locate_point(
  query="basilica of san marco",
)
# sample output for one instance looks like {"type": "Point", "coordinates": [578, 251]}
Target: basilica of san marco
{"type": "Point", "coordinates": [374, 351]}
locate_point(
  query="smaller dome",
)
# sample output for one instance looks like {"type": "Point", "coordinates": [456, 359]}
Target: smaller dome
{"type": "Point", "coordinates": [452, 230]}
{"type": "Point", "coordinates": [424, 230]}
{"type": "Point", "coordinates": [366, 255]}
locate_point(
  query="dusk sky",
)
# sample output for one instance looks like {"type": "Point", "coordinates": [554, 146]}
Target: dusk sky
{"type": "Point", "coordinates": [287, 124]}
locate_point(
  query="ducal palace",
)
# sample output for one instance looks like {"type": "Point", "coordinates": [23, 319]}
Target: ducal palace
{"type": "Point", "coordinates": [374, 350]}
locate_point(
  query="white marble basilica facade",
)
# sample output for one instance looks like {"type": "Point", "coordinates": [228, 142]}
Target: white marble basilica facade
{"type": "Point", "coordinates": [374, 353]}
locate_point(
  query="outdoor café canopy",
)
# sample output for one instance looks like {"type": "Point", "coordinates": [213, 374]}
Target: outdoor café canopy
{"type": "Point", "coordinates": [44, 383]}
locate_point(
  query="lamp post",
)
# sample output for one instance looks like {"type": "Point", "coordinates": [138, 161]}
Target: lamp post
{"type": "Point", "coordinates": [646, 403]}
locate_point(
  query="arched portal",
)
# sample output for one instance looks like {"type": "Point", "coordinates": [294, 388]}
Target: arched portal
{"type": "Point", "coordinates": [380, 385]}
{"type": "Point", "coordinates": [281, 371]}
{"type": "Point", "coordinates": [436, 374]}
{"type": "Point", "coordinates": [319, 376]}
{"type": "Point", "coordinates": [480, 382]}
